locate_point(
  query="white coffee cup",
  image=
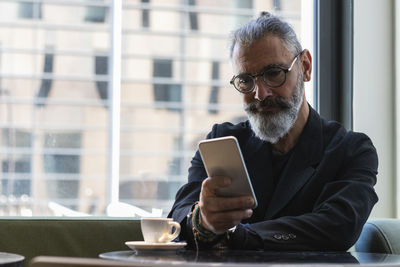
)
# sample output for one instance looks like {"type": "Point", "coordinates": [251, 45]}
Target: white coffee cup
{"type": "Point", "coordinates": [158, 230]}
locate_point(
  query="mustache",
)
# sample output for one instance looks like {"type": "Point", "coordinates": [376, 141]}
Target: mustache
{"type": "Point", "coordinates": [278, 102]}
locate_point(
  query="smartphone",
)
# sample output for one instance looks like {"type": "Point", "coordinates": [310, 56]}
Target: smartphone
{"type": "Point", "coordinates": [222, 157]}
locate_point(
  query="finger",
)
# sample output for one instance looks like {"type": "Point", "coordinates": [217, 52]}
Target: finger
{"type": "Point", "coordinates": [218, 181]}
{"type": "Point", "coordinates": [210, 184]}
{"type": "Point", "coordinates": [221, 204]}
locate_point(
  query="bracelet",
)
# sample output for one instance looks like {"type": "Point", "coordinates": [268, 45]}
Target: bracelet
{"type": "Point", "coordinates": [199, 231]}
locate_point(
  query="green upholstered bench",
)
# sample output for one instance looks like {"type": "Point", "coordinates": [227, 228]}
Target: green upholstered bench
{"type": "Point", "coordinates": [63, 236]}
{"type": "Point", "coordinates": [88, 237]}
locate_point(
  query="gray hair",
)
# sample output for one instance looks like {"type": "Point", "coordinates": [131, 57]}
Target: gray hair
{"type": "Point", "coordinates": [266, 24]}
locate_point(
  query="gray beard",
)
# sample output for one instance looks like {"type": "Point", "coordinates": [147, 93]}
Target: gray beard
{"type": "Point", "coordinates": [271, 127]}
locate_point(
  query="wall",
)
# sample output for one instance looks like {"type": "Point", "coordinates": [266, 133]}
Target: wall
{"type": "Point", "coordinates": [374, 93]}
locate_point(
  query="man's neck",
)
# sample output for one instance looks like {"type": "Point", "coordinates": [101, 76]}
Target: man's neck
{"type": "Point", "coordinates": [286, 143]}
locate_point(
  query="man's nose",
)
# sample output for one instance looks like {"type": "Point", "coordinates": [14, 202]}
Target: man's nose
{"type": "Point", "coordinates": [262, 90]}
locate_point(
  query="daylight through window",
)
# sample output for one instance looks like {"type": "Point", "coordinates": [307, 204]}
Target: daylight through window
{"type": "Point", "coordinates": [54, 99]}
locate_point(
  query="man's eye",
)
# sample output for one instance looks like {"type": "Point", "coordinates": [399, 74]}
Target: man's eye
{"type": "Point", "coordinates": [244, 79]}
{"type": "Point", "coordinates": [273, 73]}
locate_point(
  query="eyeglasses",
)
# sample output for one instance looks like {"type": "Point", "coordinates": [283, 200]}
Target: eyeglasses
{"type": "Point", "coordinates": [273, 76]}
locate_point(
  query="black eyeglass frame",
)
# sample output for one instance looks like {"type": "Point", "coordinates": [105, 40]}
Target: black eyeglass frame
{"type": "Point", "coordinates": [262, 74]}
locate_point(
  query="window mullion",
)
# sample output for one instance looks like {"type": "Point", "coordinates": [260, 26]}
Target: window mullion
{"type": "Point", "coordinates": [114, 98]}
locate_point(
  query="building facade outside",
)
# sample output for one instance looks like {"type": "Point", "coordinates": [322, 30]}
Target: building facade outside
{"type": "Point", "coordinates": [54, 108]}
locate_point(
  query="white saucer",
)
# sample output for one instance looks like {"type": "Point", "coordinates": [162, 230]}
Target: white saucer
{"type": "Point", "coordinates": [141, 245]}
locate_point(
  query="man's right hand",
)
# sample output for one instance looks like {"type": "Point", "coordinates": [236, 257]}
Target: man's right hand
{"type": "Point", "coordinates": [219, 214]}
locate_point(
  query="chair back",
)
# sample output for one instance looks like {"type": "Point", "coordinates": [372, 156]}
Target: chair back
{"type": "Point", "coordinates": [380, 236]}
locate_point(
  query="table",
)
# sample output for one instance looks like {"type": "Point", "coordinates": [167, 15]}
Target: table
{"type": "Point", "coordinates": [11, 260]}
{"type": "Point", "coordinates": [236, 258]}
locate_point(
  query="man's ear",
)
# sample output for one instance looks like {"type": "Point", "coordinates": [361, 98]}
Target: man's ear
{"type": "Point", "coordinates": [306, 66]}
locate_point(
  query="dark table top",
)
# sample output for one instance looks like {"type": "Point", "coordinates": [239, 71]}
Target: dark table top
{"type": "Point", "coordinates": [11, 260]}
{"type": "Point", "coordinates": [249, 258]}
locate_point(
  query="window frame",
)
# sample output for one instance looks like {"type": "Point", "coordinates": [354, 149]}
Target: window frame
{"type": "Point", "coordinates": [333, 42]}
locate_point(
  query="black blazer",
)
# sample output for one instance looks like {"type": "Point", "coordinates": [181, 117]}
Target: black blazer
{"type": "Point", "coordinates": [322, 198]}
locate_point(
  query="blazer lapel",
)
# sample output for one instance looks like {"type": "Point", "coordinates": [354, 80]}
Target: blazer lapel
{"type": "Point", "coordinates": [287, 187]}
{"type": "Point", "coordinates": [300, 167]}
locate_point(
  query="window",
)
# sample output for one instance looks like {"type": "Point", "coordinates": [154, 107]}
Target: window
{"type": "Point", "coordinates": [248, 4]}
{"type": "Point", "coordinates": [16, 167]}
{"type": "Point", "coordinates": [101, 68]}
{"type": "Point", "coordinates": [193, 19]}
{"type": "Point", "coordinates": [213, 99]}
{"type": "Point", "coordinates": [56, 110]}
{"type": "Point", "coordinates": [145, 15]}
{"type": "Point", "coordinates": [62, 169]}
{"type": "Point", "coordinates": [45, 85]}
{"type": "Point", "coordinates": [96, 14]}
{"type": "Point", "coordinates": [165, 92]}
{"type": "Point", "coordinates": [28, 10]}
{"type": "Point", "coordinates": [277, 4]}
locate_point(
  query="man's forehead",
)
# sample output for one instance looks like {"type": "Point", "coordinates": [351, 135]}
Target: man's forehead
{"type": "Point", "coordinates": [268, 50]}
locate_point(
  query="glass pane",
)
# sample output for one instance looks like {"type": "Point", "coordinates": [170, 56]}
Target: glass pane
{"type": "Point", "coordinates": [173, 93]}
{"type": "Point", "coordinates": [53, 111]}
{"type": "Point", "coordinates": [54, 90]}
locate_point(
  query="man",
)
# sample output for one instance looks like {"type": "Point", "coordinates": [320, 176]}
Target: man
{"type": "Point", "coordinates": [313, 179]}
